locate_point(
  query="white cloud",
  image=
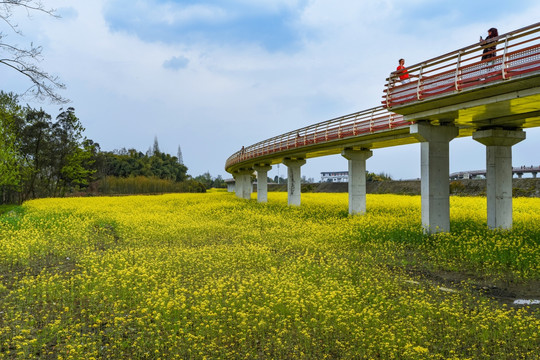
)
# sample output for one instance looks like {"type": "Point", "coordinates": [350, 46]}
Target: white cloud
{"type": "Point", "coordinates": [171, 13]}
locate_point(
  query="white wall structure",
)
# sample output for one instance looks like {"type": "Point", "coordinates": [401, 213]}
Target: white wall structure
{"type": "Point", "coordinates": [262, 182]}
{"type": "Point", "coordinates": [357, 179]}
{"type": "Point", "coordinates": [435, 172]}
{"type": "Point", "coordinates": [294, 180]}
{"type": "Point", "coordinates": [499, 144]}
{"type": "Point", "coordinates": [334, 176]}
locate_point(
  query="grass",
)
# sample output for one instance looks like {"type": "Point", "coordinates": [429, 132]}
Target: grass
{"type": "Point", "coordinates": [211, 276]}
{"type": "Point", "coordinates": [7, 208]}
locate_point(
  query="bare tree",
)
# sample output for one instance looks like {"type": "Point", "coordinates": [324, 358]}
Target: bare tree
{"type": "Point", "coordinates": [24, 60]}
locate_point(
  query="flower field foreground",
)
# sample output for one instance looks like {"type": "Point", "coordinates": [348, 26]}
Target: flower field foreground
{"type": "Point", "coordinates": [195, 276]}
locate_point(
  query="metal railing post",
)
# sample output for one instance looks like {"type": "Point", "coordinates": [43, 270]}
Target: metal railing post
{"type": "Point", "coordinates": [458, 70]}
{"type": "Point", "coordinates": [326, 133]}
{"type": "Point", "coordinates": [503, 65]}
{"type": "Point", "coordinates": [419, 81]}
{"type": "Point", "coordinates": [388, 86]}
{"type": "Point", "coordinates": [371, 120]}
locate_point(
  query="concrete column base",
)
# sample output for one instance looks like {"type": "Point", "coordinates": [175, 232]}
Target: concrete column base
{"type": "Point", "coordinates": [357, 179]}
{"type": "Point", "coordinates": [294, 180]}
{"type": "Point", "coordinates": [499, 144]}
{"type": "Point", "coordinates": [435, 174]}
{"type": "Point", "coordinates": [262, 182]}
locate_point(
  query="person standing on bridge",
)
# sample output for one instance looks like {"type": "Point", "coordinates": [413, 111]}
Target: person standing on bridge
{"type": "Point", "coordinates": [402, 72]}
{"type": "Point", "coordinates": [489, 51]}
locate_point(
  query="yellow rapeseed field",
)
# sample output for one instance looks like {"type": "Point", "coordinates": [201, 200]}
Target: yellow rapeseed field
{"type": "Point", "coordinates": [210, 276]}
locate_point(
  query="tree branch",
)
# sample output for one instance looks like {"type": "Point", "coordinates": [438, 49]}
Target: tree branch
{"type": "Point", "coordinates": [24, 60]}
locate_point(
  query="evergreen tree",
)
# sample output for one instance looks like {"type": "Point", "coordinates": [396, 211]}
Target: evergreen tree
{"type": "Point", "coordinates": [155, 148]}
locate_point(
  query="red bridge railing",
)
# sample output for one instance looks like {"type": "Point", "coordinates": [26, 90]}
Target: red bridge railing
{"type": "Point", "coordinates": [517, 55]}
{"type": "Point", "coordinates": [348, 126]}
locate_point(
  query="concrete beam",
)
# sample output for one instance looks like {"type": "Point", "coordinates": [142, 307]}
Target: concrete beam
{"type": "Point", "coordinates": [435, 174]}
{"type": "Point", "coordinates": [294, 180]}
{"type": "Point", "coordinates": [499, 144]}
{"type": "Point", "coordinates": [357, 179]}
{"type": "Point", "coordinates": [262, 182]}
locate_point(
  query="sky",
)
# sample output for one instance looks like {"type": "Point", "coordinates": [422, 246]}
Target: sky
{"type": "Point", "coordinates": [212, 76]}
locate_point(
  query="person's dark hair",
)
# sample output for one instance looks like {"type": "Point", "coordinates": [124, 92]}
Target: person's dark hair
{"type": "Point", "coordinates": [399, 61]}
{"type": "Point", "coordinates": [494, 32]}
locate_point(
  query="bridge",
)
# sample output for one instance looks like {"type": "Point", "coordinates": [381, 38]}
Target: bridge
{"type": "Point", "coordinates": [518, 170]}
{"type": "Point", "coordinates": [457, 94]}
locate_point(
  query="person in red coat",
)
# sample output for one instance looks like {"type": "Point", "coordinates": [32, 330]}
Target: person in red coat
{"type": "Point", "coordinates": [402, 72]}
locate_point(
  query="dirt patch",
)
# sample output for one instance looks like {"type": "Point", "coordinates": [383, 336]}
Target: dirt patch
{"type": "Point", "coordinates": [502, 291]}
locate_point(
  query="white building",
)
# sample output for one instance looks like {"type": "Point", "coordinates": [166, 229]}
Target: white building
{"type": "Point", "coordinates": [335, 176]}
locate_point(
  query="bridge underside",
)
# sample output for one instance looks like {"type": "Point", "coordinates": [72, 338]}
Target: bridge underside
{"type": "Point", "coordinates": [493, 115]}
{"type": "Point", "coordinates": [509, 105]}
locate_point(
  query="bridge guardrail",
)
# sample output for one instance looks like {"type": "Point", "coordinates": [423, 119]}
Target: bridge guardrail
{"type": "Point", "coordinates": [464, 68]}
{"type": "Point", "coordinates": [362, 122]}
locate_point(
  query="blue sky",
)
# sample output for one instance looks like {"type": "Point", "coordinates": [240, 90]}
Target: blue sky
{"type": "Point", "coordinates": [212, 76]}
{"type": "Point", "coordinates": [223, 22]}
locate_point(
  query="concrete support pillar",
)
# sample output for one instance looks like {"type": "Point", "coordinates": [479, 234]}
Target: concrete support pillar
{"type": "Point", "coordinates": [237, 185]}
{"type": "Point", "coordinates": [435, 174]}
{"type": "Point", "coordinates": [294, 180]}
{"type": "Point", "coordinates": [262, 182]}
{"type": "Point", "coordinates": [243, 186]}
{"type": "Point", "coordinates": [357, 179]}
{"type": "Point", "coordinates": [499, 144]}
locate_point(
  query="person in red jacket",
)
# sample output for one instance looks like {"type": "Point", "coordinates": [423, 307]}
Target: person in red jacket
{"type": "Point", "coordinates": [402, 72]}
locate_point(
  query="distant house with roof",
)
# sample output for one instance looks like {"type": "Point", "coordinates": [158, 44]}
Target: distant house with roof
{"type": "Point", "coordinates": [335, 176]}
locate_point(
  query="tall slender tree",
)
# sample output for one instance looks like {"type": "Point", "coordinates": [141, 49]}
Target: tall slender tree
{"type": "Point", "coordinates": [155, 148]}
{"type": "Point", "coordinates": [180, 156]}
{"type": "Point", "coordinates": [35, 144]}
{"type": "Point", "coordinates": [10, 113]}
{"type": "Point", "coordinates": [70, 153]}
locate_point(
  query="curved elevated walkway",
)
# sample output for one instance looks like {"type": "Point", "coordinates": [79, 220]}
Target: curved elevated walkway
{"type": "Point", "coordinates": [453, 95]}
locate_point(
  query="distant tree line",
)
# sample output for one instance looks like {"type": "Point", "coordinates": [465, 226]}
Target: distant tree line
{"type": "Point", "coordinates": [211, 182]}
{"type": "Point", "coordinates": [125, 163]}
{"type": "Point", "coordinates": [42, 157]}
{"type": "Point", "coordinates": [377, 177]}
